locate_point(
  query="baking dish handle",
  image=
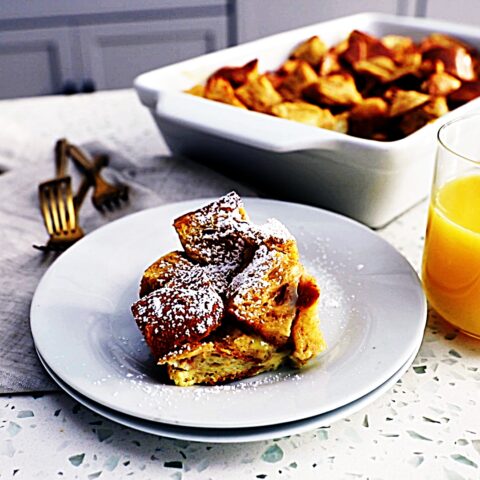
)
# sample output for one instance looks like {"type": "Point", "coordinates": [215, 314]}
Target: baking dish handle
{"type": "Point", "coordinates": [246, 127]}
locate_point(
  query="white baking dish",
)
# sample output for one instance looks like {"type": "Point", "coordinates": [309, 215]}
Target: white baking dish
{"type": "Point", "coordinates": [368, 180]}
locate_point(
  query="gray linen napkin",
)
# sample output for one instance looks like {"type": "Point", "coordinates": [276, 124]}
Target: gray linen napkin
{"type": "Point", "coordinates": [158, 181]}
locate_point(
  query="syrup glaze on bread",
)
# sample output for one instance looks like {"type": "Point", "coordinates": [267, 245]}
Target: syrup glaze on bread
{"type": "Point", "coordinates": [235, 303]}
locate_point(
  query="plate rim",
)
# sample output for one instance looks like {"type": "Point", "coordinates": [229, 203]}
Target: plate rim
{"type": "Point", "coordinates": [196, 203]}
{"type": "Point", "coordinates": [246, 434]}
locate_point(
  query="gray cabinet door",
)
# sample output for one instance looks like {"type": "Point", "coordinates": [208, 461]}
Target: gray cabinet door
{"type": "Point", "coordinates": [114, 54]}
{"type": "Point", "coordinates": [460, 11]}
{"type": "Point", "coordinates": [260, 18]}
{"type": "Point", "coordinates": [34, 62]}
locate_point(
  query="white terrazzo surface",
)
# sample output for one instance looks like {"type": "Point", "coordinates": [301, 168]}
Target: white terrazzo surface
{"type": "Point", "coordinates": [426, 427]}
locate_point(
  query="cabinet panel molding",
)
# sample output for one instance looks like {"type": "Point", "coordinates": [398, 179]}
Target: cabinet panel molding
{"type": "Point", "coordinates": [113, 55]}
{"type": "Point", "coordinates": [34, 62]}
{"type": "Point", "coordinates": [260, 18]}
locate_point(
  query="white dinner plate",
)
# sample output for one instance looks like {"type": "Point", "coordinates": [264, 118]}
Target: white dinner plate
{"type": "Point", "coordinates": [234, 435]}
{"type": "Point", "coordinates": [373, 313]}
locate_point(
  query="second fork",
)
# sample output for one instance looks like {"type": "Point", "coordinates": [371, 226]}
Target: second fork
{"type": "Point", "coordinates": [105, 195]}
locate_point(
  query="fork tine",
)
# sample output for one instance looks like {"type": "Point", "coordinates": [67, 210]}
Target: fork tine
{"type": "Point", "coordinates": [58, 210]}
{"type": "Point", "coordinates": [61, 194]}
{"type": "Point", "coordinates": [72, 216]}
{"type": "Point", "coordinates": [53, 210]}
{"type": "Point", "coordinates": [47, 218]}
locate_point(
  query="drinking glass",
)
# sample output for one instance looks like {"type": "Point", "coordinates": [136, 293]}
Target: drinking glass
{"type": "Point", "coordinates": [451, 257]}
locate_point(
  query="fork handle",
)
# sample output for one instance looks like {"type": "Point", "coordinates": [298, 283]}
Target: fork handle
{"type": "Point", "coordinates": [61, 157]}
{"type": "Point", "coordinates": [81, 160]}
{"type": "Point", "coordinates": [99, 161]}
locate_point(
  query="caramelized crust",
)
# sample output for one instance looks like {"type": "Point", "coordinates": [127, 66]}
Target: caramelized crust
{"type": "Point", "coordinates": [335, 89]}
{"type": "Point", "coordinates": [210, 234]}
{"type": "Point", "coordinates": [215, 236]}
{"type": "Point", "coordinates": [293, 85]}
{"type": "Point", "coordinates": [311, 51]}
{"type": "Point", "coordinates": [264, 294]}
{"type": "Point", "coordinates": [221, 90]}
{"type": "Point", "coordinates": [163, 270]}
{"type": "Point", "coordinates": [259, 94]}
{"type": "Point", "coordinates": [362, 46]}
{"type": "Point", "coordinates": [304, 112]}
{"type": "Point", "coordinates": [238, 76]}
{"type": "Point", "coordinates": [403, 101]}
{"type": "Point", "coordinates": [307, 338]}
{"type": "Point", "coordinates": [178, 314]}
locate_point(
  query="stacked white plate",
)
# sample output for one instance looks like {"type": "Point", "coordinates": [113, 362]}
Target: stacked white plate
{"type": "Point", "coordinates": [373, 314]}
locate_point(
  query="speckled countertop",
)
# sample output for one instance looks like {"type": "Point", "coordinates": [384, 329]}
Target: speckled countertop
{"type": "Point", "coordinates": [427, 426]}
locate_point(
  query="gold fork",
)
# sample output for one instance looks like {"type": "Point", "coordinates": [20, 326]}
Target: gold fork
{"type": "Point", "coordinates": [59, 216]}
{"type": "Point", "coordinates": [105, 195]}
{"type": "Point", "coordinates": [57, 205]}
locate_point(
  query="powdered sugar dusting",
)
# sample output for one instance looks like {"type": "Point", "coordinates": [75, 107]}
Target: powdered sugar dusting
{"type": "Point", "coordinates": [178, 313]}
{"type": "Point", "coordinates": [253, 275]}
{"type": "Point", "coordinates": [214, 231]}
{"type": "Point", "coordinates": [274, 231]}
{"type": "Point", "coordinates": [220, 234]}
{"type": "Point", "coordinates": [170, 308]}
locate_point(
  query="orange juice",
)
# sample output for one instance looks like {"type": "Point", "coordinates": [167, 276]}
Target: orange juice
{"type": "Point", "coordinates": [451, 261]}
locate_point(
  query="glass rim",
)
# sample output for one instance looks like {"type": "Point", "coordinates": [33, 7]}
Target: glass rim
{"type": "Point", "coordinates": [450, 149]}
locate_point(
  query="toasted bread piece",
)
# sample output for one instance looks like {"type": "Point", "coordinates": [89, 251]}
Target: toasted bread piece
{"type": "Point", "coordinates": [370, 108]}
{"type": "Point", "coordinates": [468, 91]}
{"type": "Point", "coordinates": [293, 85]}
{"type": "Point", "coordinates": [163, 270]}
{"type": "Point", "coordinates": [232, 356]}
{"type": "Point", "coordinates": [362, 46]}
{"type": "Point", "coordinates": [441, 40]}
{"type": "Point", "coordinates": [441, 84]}
{"type": "Point", "coordinates": [182, 312]}
{"type": "Point", "coordinates": [174, 263]}
{"type": "Point", "coordinates": [206, 233]}
{"type": "Point", "coordinates": [403, 101]}
{"type": "Point", "coordinates": [196, 90]}
{"type": "Point", "coordinates": [399, 44]}
{"type": "Point", "coordinates": [221, 90]}
{"type": "Point", "coordinates": [368, 117]}
{"type": "Point", "coordinates": [238, 76]}
{"type": "Point", "coordinates": [340, 122]}
{"type": "Point", "coordinates": [264, 294]}
{"type": "Point", "coordinates": [385, 70]}
{"type": "Point", "coordinates": [307, 338]}
{"type": "Point", "coordinates": [274, 235]}
{"type": "Point", "coordinates": [259, 94]}
{"type": "Point", "coordinates": [416, 119]}
{"type": "Point", "coordinates": [335, 89]}
{"type": "Point", "coordinates": [311, 51]}
{"type": "Point", "coordinates": [304, 112]}
{"type": "Point", "coordinates": [212, 236]}
{"type": "Point", "coordinates": [456, 60]}
{"type": "Point", "coordinates": [330, 63]}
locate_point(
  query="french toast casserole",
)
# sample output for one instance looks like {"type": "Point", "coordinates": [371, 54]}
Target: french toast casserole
{"type": "Point", "coordinates": [381, 89]}
{"type": "Point", "coordinates": [234, 303]}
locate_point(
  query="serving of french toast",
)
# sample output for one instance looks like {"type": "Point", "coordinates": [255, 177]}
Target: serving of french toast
{"type": "Point", "coordinates": [234, 303]}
